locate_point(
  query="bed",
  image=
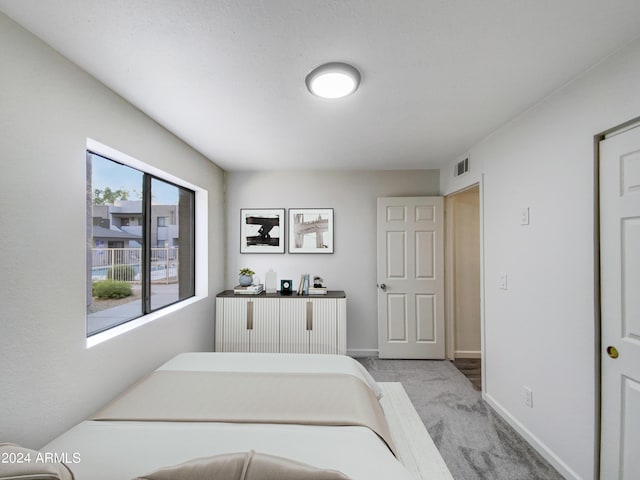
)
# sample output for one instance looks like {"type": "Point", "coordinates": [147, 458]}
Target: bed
{"type": "Point", "coordinates": [178, 414]}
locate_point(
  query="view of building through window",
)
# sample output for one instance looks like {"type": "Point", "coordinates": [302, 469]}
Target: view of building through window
{"type": "Point", "coordinates": [141, 244]}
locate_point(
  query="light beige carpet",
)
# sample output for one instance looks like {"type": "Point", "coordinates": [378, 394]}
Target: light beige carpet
{"type": "Point", "coordinates": [415, 447]}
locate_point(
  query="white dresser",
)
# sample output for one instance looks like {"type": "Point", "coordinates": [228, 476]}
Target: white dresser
{"type": "Point", "coordinates": [281, 323]}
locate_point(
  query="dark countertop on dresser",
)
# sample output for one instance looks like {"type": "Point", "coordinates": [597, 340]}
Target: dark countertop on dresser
{"type": "Point", "coordinates": [329, 294]}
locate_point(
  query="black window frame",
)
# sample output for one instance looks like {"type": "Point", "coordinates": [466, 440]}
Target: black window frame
{"type": "Point", "coordinates": [146, 221]}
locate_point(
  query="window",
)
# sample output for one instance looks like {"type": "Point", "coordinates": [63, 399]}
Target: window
{"type": "Point", "coordinates": [137, 267]}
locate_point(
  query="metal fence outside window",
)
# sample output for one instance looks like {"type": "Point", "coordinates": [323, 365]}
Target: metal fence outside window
{"type": "Point", "coordinates": [124, 264]}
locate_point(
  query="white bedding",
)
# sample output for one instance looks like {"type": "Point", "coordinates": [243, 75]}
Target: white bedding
{"type": "Point", "coordinates": [120, 450]}
{"type": "Point", "coordinates": [124, 450]}
{"type": "Point", "coordinates": [271, 363]}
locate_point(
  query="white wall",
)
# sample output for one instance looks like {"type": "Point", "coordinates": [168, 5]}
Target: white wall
{"type": "Point", "coordinates": [352, 268]}
{"type": "Point", "coordinates": [49, 380]}
{"type": "Point", "coordinates": [541, 332]}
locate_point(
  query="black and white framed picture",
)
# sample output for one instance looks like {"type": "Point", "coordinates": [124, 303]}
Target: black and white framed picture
{"type": "Point", "coordinates": [262, 230]}
{"type": "Point", "coordinates": [311, 230]}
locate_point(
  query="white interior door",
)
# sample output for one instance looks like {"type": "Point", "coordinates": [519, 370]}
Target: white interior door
{"type": "Point", "coordinates": [620, 305]}
{"type": "Point", "coordinates": [410, 249]}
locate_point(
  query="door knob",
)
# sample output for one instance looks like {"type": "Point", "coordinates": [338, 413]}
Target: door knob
{"type": "Point", "coordinates": [612, 351]}
{"type": "Point", "coordinates": [383, 287]}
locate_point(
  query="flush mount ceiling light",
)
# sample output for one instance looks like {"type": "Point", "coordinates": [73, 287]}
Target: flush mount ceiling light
{"type": "Point", "coordinates": [333, 80]}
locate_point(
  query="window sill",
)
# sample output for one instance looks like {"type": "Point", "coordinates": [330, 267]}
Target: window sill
{"type": "Point", "coordinates": [101, 337]}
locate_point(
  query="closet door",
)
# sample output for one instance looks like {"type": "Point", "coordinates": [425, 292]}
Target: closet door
{"type": "Point", "coordinates": [620, 305]}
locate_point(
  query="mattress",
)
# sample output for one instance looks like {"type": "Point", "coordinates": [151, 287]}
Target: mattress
{"type": "Point", "coordinates": [126, 449]}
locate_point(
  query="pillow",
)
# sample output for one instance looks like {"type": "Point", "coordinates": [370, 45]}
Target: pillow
{"type": "Point", "coordinates": [243, 466]}
{"type": "Point", "coordinates": [268, 467]}
{"type": "Point", "coordinates": [18, 463]}
{"type": "Point", "coordinates": [227, 466]}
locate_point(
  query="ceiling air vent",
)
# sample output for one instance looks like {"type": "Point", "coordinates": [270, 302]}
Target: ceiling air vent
{"type": "Point", "coordinates": [461, 167]}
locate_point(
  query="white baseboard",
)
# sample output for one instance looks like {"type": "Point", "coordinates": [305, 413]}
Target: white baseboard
{"type": "Point", "coordinates": [467, 354]}
{"type": "Point", "coordinates": [534, 441]}
{"type": "Point", "coordinates": [362, 352]}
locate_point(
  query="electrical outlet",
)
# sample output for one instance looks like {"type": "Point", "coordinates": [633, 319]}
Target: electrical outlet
{"type": "Point", "coordinates": [528, 397]}
{"type": "Point", "coordinates": [524, 216]}
{"type": "Point", "coordinates": [502, 281]}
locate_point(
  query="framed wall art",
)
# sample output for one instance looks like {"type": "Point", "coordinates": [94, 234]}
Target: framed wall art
{"type": "Point", "coordinates": [262, 230]}
{"type": "Point", "coordinates": [311, 230]}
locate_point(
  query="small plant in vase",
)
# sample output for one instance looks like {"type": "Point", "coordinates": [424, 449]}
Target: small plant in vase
{"type": "Point", "coordinates": [246, 277]}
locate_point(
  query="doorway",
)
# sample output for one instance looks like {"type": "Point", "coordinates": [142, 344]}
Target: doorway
{"type": "Point", "coordinates": [462, 273]}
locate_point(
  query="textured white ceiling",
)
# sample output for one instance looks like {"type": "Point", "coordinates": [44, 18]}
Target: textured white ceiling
{"type": "Point", "coordinates": [227, 76]}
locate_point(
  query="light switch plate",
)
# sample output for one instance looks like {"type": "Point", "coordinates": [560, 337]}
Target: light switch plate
{"type": "Point", "coordinates": [502, 281]}
{"type": "Point", "coordinates": [524, 216]}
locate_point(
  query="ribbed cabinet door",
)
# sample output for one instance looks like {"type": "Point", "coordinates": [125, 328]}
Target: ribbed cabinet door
{"type": "Point", "coordinates": [341, 325]}
{"type": "Point", "coordinates": [265, 336]}
{"type": "Point", "coordinates": [235, 332]}
{"type": "Point", "coordinates": [324, 332]}
{"type": "Point", "coordinates": [293, 330]}
{"type": "Point", "coordinates": [219, 343]}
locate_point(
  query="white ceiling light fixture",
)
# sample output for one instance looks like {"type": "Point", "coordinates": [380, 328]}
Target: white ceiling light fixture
{"type": "Point", "coordinates": [333, 80]}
